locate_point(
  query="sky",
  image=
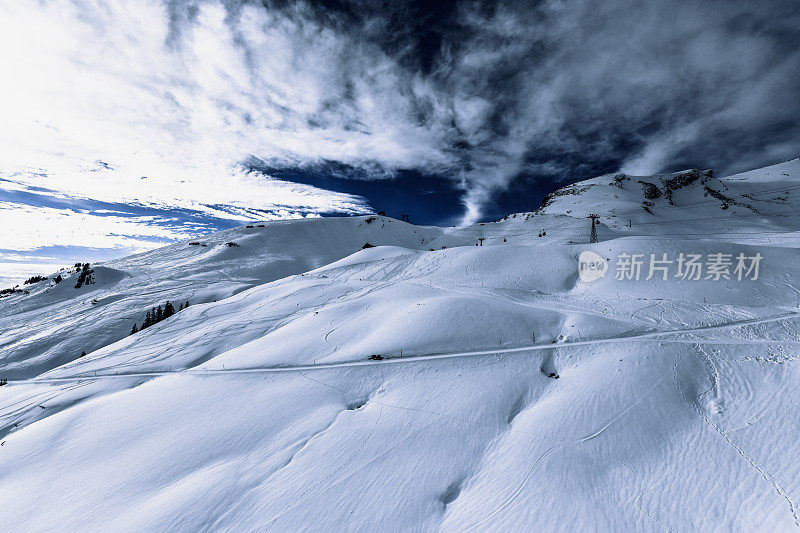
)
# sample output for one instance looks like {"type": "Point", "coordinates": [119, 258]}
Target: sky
{"type": "Point", "coordinates": [128, 125]}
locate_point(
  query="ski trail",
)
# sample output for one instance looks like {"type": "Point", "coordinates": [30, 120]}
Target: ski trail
{"type": "Point", "coordinates": [653, 336]}
{"type": "Point", "coordinates": [782, 492]}
{"type": "Point", "coordinates": [319, 482]}
{"type": "Point", "coordinates": [520, 486]}
{"type": "Point", "coordinates": [617, 416]}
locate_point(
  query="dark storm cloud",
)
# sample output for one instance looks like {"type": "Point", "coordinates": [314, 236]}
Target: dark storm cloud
{"type": "Point", "coordinates": [519, 93]}
{"type": "Point", "coordinates": [495, 97]}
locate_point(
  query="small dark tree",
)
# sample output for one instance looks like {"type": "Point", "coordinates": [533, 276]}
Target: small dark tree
{"type": "Point", "coordinates": [83, 353]}
{"type": "Point", "coordinates": [148, 320]}
{"type": "Point", "coordinates": [159, 314]}
{"type": "Point", "coordinates": [134, 329]}
{"type": "Point", "coordinates": [84, 277]}
{"type": "Point", "coordinates": [187, 304]}
{"type": "Point", "coordinates": [58, 279]}
{"type": "Point", "coordinates": [181, 307]}
{"type": "Point", "coordinates": [169, 309]}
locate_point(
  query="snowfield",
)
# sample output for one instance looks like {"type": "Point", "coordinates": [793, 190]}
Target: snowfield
{"type": "Point", "coordinates": [426, 382]}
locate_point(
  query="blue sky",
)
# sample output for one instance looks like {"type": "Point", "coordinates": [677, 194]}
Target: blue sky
{"type": "Point", "coordinates": [127, 125]}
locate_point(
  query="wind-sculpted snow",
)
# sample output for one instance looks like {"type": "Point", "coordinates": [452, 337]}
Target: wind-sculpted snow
{"type": "Point", "coordinates": [54, 324]}
{"type": "Point", "coordinates": [313, 385]}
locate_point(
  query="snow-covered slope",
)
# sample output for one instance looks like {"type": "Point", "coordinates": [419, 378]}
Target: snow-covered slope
{"type": "Point", "coordinates": [315, 385]}
{"type": "Point", "coordinates": [54, 324]}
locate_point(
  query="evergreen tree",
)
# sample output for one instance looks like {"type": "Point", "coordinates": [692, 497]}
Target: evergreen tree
{"type": "Point", "coordinates": [159, 314]}
{"type": "Point", "coordinates": [84, 277]}
{"type": "Point", "coordinates": [148, 320]}
{"type": "Point", "coordinates": [169, 310]}
{"type": "Point", "coordinates": [134, 329]}
{"type": "Point", "coordinates": [181, 307]}
{"type": "Point", "coordinates": [187, 304]}
{"type": "Point", "coordinates": [83, 353]}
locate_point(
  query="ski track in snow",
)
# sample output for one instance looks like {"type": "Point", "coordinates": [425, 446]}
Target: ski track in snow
{"type": "Point", "coordinates": [654, 336]}
{"type": "Point", "coordinates": [753, 327]}
{"type": "Point", "coordinates": [767, 476]}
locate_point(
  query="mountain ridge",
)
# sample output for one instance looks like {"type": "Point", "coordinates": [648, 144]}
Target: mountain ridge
{"type": "Point", "coordinates": [448, 378]}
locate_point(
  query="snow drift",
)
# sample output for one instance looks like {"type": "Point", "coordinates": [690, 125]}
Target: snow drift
{"type": "Point", "coordinates": [426, 383]}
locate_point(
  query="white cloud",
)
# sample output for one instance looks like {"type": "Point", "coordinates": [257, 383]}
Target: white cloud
{"type": "Point", "coordinates": [32, 227]}
{"type": "Point", "coordinates": [180, 93]}
{"type": "Point", "coordinates": [97, 82]}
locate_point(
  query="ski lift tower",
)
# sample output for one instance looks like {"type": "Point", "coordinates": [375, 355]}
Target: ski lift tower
{"type": "Point", "coordinates": [593, 236]}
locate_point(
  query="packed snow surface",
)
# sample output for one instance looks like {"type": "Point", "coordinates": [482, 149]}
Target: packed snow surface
{"type": "Point", "coordinates": [455, 379]}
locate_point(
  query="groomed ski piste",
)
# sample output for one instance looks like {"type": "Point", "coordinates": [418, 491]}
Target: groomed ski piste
{"type": "Point", "coordinates": [441, 379]}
